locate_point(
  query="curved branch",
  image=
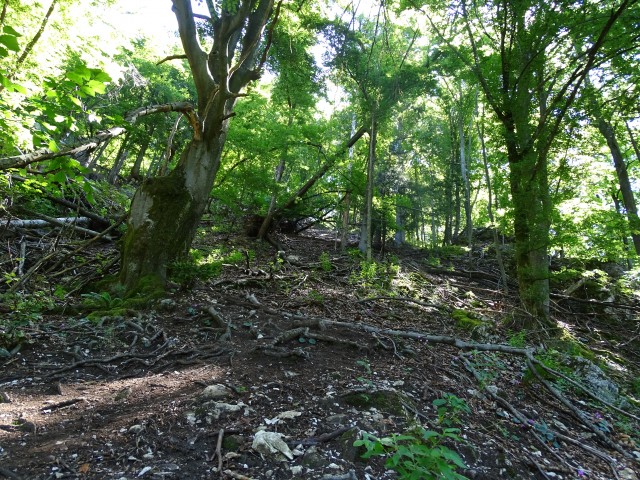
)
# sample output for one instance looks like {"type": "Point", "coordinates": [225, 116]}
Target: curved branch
{"type": "Point", "coordinates": [172, 57]}
{"type": "Point", "coordinates": [195, 55]}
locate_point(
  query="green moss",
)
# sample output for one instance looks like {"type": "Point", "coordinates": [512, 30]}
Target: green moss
{"type": "Point", "coordinates": [465, 320]}
{"type": "Point", "coordinates": [385, 400]}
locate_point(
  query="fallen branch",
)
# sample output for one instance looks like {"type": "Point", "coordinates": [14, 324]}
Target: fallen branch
{"type": "Point", "coordinates": [324, 438]}
{"type": "Point", "coordinates": [20, 161]}
{"type": "Point", "coordinates": [58, 406]}
{"type": "Point", "coordinates": [33, 223]}
{"type": "Point", "coordinates": [404, 299]}
{"type": "Point", "coordinates": [596, 302]}
{"type": "Point", "coordinates": [577, 413]}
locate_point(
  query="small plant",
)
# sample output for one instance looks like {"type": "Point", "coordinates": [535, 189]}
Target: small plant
{"type": "Point", "coordinates": [102, 300]}
{"type": "Point", "coordinates": [418, 455]}
{"type": "Point", "coordinates": [518, 340]}
{"type": "Point", "coordinates": [325, 262]}
{"type": "Point", "coordinates": [449, 408]}
{"type": "Point", "coordinates": [367, 368]}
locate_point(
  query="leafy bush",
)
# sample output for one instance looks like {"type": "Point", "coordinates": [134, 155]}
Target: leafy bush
{"type": "Point", "coordinates": [418, 455]}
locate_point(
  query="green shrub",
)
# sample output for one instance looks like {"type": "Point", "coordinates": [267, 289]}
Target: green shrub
{"type": "Point", "coordinates": [418, 455]}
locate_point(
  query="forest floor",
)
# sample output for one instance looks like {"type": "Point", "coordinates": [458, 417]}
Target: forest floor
{"type": "Point", "coordinates": [316, 348]}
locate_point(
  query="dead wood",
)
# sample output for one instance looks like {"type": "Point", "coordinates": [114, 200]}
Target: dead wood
{"type": "Point", "coordinates": [66, 221]}
{"type": "Point", "coordinates": [595, 302]}
{"type": "Point", "coordinates": [89, 144]}
{"type": "Point", "coordinates": [324, 438]}
{"type": "Point", "coordinates": [405, 299]}
{"type": "Point", "coordinates": [59, 405]}
{"type": "Point", "coordinates": [580, 416]}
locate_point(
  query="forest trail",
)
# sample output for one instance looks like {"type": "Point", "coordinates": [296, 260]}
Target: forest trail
{"type": "Point", "coordinates": [182, 389]}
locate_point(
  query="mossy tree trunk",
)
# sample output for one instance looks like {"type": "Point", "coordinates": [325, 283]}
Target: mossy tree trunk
{"type": "Point", "coordinates": [165, 211]}
{"type": "Point", "coordinates": [530, 98]}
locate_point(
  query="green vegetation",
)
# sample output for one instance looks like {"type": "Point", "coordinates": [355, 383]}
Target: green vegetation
{"type": "Point", "coordinates": [420, 453]}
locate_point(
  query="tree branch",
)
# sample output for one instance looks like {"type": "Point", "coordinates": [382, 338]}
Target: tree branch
{"type": "Point", "coordinates": [172, 57]}
{"type": "Point", "coordinates": [21, 161]}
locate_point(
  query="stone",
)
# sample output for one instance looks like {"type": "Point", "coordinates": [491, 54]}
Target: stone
{"type": "Point", "coordinates": [217, 409]}
{"type": "Point", "coordinates": [596, 380]}
{"type": "Point", "coordinates": [271, 443]}
{"type": "Point", "coordinates": [216, 392]}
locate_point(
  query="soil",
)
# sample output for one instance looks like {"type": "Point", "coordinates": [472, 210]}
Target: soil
{"type": "Point", "coordinates": [124, 396]}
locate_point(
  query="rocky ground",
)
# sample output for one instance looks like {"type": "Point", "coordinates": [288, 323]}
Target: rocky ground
{"type": "Point", "coordinates": [274, 369]}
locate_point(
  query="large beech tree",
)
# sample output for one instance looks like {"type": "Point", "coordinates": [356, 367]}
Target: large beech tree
{"type": "Point", "coordinates": [165, 211]}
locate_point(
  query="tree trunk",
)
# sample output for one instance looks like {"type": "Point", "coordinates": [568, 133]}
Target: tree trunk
{"type": "Point", "coordinates": [465, 182]}
{"type": "Point", "coordinates": [366, 233]}
{"type": "Point", "coordinates": [165, 213]}
{"type": "Point", "coordinates": [531, 208]}
{"type": "Point", "coordinates": [266, 223]}
{"type": "Point", "coordinates": [119, 161]}
{"type": "Point", "coordinates": [606, 129]}
{"type": "Point", "coordinates": [135, 170]}
{"type": "Point", "coordinates": [496, 241]}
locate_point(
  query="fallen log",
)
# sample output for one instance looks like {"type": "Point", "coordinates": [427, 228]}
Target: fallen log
{"type": "Point", "coordinates": [39, 223]}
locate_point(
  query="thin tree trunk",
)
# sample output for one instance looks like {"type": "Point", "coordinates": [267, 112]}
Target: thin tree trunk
{"type": "Point", "coordinates": [628, 199]}
{"type": "Point", "coordinates": [625, 240]}
{"type": "Point", "coordinates": [3, 15]}
{"type": "Point", "coordinates": [119, 161]}
{"type": "Point", "coordinates": [135, 170]}
{"type": "Point", "coordinates": [366, 233]}
{"type": "Point", "coordinates": [494, 229]}
{"type": "Point", "coordinates": [268, 219]}
{"type": "Point", "coordinates": [465, 182]}
{"type": "Point", "coordinates": [634, 143]}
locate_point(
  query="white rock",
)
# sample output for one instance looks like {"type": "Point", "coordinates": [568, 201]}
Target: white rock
{"type": "Point", "coordinates": [296, 469]}
{"type": "Point", "coordinates": [213, 392]}
{"type": "Point", "coordinates": [289, 414]}
{"type": "Point", "coordinates": [136, 429]}
{"type": "Point", "coordinates": [144, 471]}
{"type": "Point", "coordinates": [268, 443]}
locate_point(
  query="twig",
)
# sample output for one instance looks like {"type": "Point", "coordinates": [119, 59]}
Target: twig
{"type": "Point", "coordinates": [219, 450]}
{"type": "Point", "coordinates": [66, 403]}
{"type": "Point", "coordinates": [237, 476]}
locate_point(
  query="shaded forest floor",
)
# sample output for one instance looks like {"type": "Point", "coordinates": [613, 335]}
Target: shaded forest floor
{"type": "Point", "coordinates": [276, 343]}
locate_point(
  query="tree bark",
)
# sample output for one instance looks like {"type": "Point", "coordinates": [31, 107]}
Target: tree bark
{"type": "Point", "coordinates": [165, 211]}
{"type": "Point", "coordinates": [532, 211]}
{"type": "Point", "coordinates": [628, 199]}
{"type": "Point", "coordinates": [365, 232]}
{"type": "Point", "coordinates": [496, 241]}
{"type": "Point", "coordinates": [465, 179]}
{"type": "Point", "coordinates": [121, 156]}
{"type": "Point", "coordinates": [135, 170]}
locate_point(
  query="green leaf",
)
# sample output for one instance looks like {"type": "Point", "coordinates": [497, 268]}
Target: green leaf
{"type": "Point", "coordinates": [75, 101]}
{"type": "Point", "coordinates": [75, 78]}
{"type": "Point", "coordinates": [100, 75]}
{"type": "Point", "coordinates": [11, 31]}
{"type": "Point", "coordinates": [88, 91]}
{"type": "Point", "coordinates": [10, 41]}
{"type": "Point", "coordinates": [452, 457]}
{"type": "Point", "coordinates": [98, 87]}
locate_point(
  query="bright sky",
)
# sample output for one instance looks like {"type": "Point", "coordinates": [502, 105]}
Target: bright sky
{"type": "Point", "coordinates": [152, 18]}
